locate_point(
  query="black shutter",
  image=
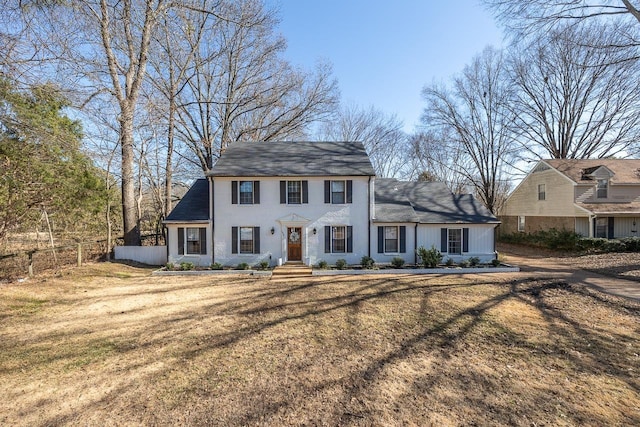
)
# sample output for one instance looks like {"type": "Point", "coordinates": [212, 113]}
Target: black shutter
{"type": "Point", "coordinates": [203, 241]}
{"type": "Point", "coordinates": [256, 240]}
{"type": "Point", "coordinates": [349, 239]}
{"type": "Point", "coordinates": [256, 192]}
{"type": "Point", "coordinates": [283, 192]}
{"type": "Point", "coordinates": [403, 239]}
{"type": "Point", "coordinates": [234, 192]}
{"type": "Point", "coordinates": [443, 240]}
{"type": "Point", "coordinates": [327, 191]}
{"type": "Point", "coordinates": [610, 228]}
{"type": "Point", "coordinates": [234, 240]}
{"type": "Point", "coordinates": [380, 239]}
{"type": "Point", "coordinates": [327, 239]}
{"type": "Point", "coordinates": [305, 191]}
{"type": "Point", "coordinates": [180, 241]}
{"type": "Point", "coordinates": [349, 190]}
{"type": "Point", "coordinates": [465, 240]}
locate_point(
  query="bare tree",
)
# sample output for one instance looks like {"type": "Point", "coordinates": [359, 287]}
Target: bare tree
{"type": "Point", "coordinates": [240, 89]}
{"type": "Point", "coordinates": [430, 162]}
{"type": "Point", "coordinates": [475, 114]}
{"type": "Point", "coordinates": [102, 47]}
{"type": "Point", "coordinates": [382, 135]}
{"type": "Point", "coordinates": [523, 18]}
{"type": "Point", "coordinates": [575, 100]}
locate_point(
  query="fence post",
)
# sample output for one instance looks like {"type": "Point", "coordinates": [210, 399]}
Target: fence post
{"type": "Point", "coordinates": [79, 254]}
{"type": "Point", "coordinates": [30, 263]}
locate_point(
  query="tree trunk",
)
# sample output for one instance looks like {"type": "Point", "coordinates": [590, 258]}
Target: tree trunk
{"type": "Point", "coordinates": [129, 209]}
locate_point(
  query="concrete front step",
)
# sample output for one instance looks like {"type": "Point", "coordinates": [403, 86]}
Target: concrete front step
{"type": "Point", "coordinates": [287, 271]}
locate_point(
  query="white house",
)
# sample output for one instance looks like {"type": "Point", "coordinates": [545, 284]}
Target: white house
{"type": "Point", "coordinates": [312, 201]}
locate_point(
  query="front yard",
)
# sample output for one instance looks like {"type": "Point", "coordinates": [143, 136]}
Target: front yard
{"type": "Point", "coordinates": [108, 344]}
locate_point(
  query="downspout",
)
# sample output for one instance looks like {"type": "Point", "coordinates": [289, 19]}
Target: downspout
{"type": "Point", "coordinates": [369, 217]}
{"type": "Point", "coordinates": [415, 245]}
{"type": "Point", "coordinates": [211, 204]}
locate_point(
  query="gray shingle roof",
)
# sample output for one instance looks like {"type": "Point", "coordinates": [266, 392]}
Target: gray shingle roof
{"type": "Point", "coordinates": [294, 159]}
{"type": "Point", "coordinates": [392, 204]}
{"type": "Point", "coordinates": [431, 202]}
{"type": "Point", "coordinates": [194, 206]}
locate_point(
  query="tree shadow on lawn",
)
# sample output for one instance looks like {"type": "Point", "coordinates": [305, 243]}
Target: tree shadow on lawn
{"type": "Point", "coordinates": [353, 392]}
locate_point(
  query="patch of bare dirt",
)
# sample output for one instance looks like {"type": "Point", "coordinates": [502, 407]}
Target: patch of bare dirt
{"type": "Point", "coordinates": [108, 344]}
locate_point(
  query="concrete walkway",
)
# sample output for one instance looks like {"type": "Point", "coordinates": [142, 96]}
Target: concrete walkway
{"type": "Point", "coordinates": [542, 267]}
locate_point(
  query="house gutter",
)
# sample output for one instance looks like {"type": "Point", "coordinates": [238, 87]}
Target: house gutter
{"type": "Point", "coordinates": [415, 244]}
{"type": "Point", "coordinates": [211, 203]}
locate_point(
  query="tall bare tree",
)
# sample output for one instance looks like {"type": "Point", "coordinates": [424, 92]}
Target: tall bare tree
{"type": "Point", "coordinates": [102, 46]}
{"type": "Point", "coordinates": [576, 100]}
{"type": "Point", "coordinates": [382, 135]}
{"type": "Point", "coordinates": [240, 89]}
{"type": "Point", "coordinates": [475, 114]}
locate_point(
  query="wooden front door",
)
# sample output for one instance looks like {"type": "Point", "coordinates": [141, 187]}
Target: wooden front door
{"type": "Point", "coordinates": [294, 244]}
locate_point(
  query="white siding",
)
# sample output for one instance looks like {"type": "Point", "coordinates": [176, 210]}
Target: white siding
{"type": "Point", "coordinates": [385, 258]}
{"type": "Point", "coordinates": [152, 255]}
{"type": "Point", "coordinates": [309, 216]}
{"type": "Point", "coordinates": [623, 227]}
{"type": "Point", "coordinates": [481, 240]}
{"type": "Point", "coordinates": [172, 239]}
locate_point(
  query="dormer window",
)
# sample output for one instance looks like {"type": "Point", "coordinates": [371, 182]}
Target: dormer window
{"type": "Point", "coordinates": [602, 188]}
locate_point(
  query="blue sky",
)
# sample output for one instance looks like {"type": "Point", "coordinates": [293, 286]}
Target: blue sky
{"type": "Point", "coordinates": [384, 52]}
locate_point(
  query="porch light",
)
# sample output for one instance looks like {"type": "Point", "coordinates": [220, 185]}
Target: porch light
{"type": "Point", "coordinates": [273, 230]}
{"type": "Point", "coordinates": [314, 230]}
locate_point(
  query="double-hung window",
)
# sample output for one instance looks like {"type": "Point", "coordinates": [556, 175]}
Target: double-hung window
{"type": "Point", "coordinates": [192, 241]}
{"type": "Point", "coordinates": [454, 244]}
{"type": "Point", "coordinates": [521, 222]}
{"type": "Point", "coordinates": [391, 239]}
{"type": "Point", "coordinates": [245, 240]}
{"type": "Point", "coordinates": [338, 192]}
{"type": "Point", "coordinates": [294, 192]}
{"type": "Point", "coordinates": [542, 192]}
{"type": "Point", "coordinates": [338, 239]}
{"type": "Point", "coordinates": [602, 189]}
{"type": "Point", "coordinates": [245, 192]}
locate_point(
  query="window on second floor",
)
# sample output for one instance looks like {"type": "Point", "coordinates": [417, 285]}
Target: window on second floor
{"type": "Point", "coordinates": [294, 192]}
{"type": "Point", "coordinates": [338, 192]}
{"type": "Point", "coordinates": [245, 192]}
{"type": "Point", "coordinates": [602, 189]}
{"type": "Point", "coordinates": [542, 193]}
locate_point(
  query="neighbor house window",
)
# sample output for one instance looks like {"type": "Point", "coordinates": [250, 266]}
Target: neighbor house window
{"type": "Point", "coordinates": [192, 241]}
{"type": "Point", "coordinates": [245, 240]}
{"type": "Point", "coordinates": [601, 227]}
{"type": "Point", "coordinates": [603, 187]}
{"type": "Point", "coordinates": [521, 223]}
{"type": "Point", "coordinates": [454, 244]}
{"type": "Point", "coordinates": [542, 194]}
{"type": "Point", "coordinates": [391, 239]}
{"type": "Point", "coordinates": [246, 192]}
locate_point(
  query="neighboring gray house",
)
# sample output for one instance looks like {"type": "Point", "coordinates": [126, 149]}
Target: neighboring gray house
{"type": "Point", "coordinates": [311, 201]}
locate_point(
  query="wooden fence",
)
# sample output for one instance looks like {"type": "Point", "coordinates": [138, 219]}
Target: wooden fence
{"type": "Point", "coordinates": [29, 262]}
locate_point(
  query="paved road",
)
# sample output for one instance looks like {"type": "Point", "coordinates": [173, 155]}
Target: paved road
{"type": "Point", "coordinates": [543, 267]}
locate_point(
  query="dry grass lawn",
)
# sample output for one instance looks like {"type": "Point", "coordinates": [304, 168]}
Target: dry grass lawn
{"type": "Point", "coordinates": [108, 344]}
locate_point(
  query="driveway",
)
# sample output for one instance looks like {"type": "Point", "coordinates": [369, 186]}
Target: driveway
{"type": "Point", "coordinates": [542, 264]}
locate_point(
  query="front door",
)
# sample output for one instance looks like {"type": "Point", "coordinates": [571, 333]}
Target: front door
{"type": "Point", "coordinates": [294, 244]}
